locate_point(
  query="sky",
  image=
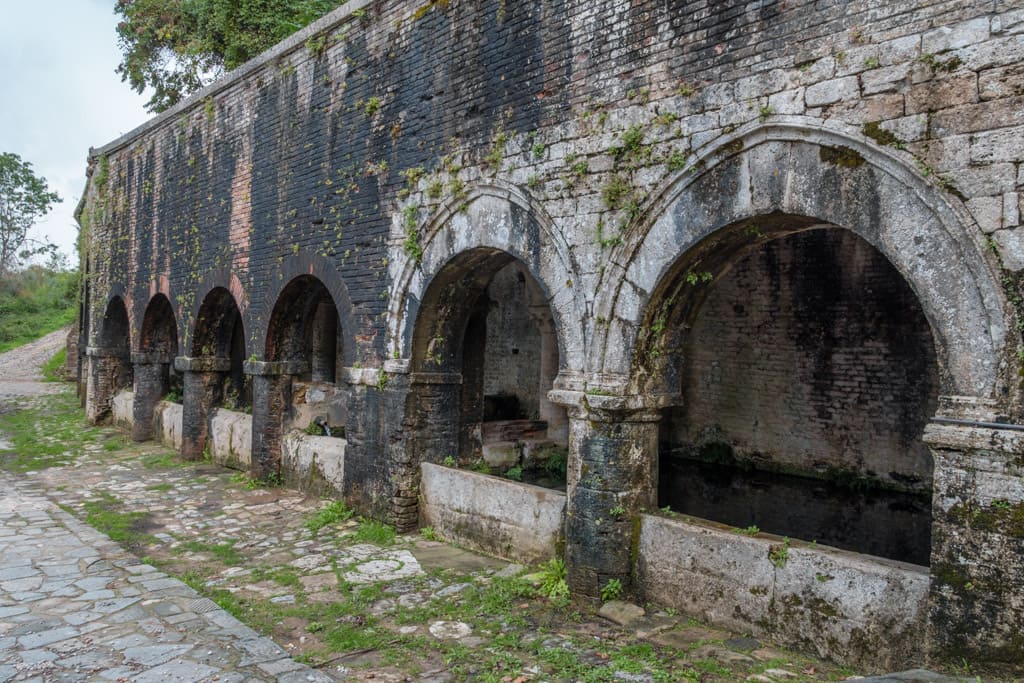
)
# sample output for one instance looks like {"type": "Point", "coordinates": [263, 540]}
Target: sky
{"type": "Point", "coordinates": [59, 95]}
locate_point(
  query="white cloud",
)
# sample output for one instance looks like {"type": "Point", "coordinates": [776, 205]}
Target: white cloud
{"type": "Point", "coordinates": [59, 95]}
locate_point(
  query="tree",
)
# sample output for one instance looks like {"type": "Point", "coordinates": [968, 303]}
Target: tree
{"type": "Point", "coordinates": [24, 197]}
{"type": "Point", "coordinates": [176, 47]}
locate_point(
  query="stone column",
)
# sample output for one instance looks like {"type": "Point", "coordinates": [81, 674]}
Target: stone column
{"type": "Point", "coordinates": [152, 383]}
{"type": "Point", "coordinates": [271, 399]}
{"type": "Point", "coordinates": [977, 559]}
{"type": "Point", "coordinates": [431, 429]}
{"type": "Point", "coordinates": [203, 384]}
{"type": "Point", "coordinates": [612, 478]}
{"type": "Point", "coordinates": [109, 370]}
{"type": "Point", "coordinates": [550, 412]}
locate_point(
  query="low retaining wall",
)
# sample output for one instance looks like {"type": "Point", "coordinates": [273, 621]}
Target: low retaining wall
{"type": "Point", "coordinates": [851, 608]}
{"type": "Point", "coordinates": [121, 409]}
{"type": "Point", "coordinates": [231, 439]}
{"type": "Point", "coordinates": [314, 463]}
{"type": "Point", "coordinates": [167, 423]}
{"type": "Point", "coordinates": [506, 518]}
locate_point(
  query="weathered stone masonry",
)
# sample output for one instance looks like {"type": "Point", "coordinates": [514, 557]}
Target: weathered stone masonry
{"type": "Point", "coordinates": [320, 235]}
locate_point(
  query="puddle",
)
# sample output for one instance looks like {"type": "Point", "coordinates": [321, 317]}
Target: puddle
{"type": "Point", "coordinates": [884, 523]}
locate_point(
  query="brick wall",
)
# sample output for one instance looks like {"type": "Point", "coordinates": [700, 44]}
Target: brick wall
{"type": "Point", "coordinates": [813, 354]}
{"type": "Point", "coordinates": [512, 360]}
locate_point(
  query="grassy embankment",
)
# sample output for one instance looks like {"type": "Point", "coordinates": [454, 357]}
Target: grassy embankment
{"type": "Point", "coordinates": [35, 302]}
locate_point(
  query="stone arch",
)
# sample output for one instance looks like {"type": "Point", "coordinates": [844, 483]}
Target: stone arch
{"type": "Point", "coordinates": [110, 368]}
{"type": "Point", "coordinates": [799, 349]}
{"type": "Point", "coordinates": [497, 217]}
{"type": "Point", "coordinates": [300, 268]}
{"type": "Point", "coordinates": [153, 363]}
{"type": "Point", "coordinates": [485, 352]}
{"type": "Point", "coordinates": [816, 175]}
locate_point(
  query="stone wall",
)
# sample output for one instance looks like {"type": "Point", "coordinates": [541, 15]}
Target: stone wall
{"type": "Point", "coordinates": [506, 518]}
{"type": "Point", "coordinates": [393, 157]}
{"type": "Point", "coordinates": [813, 598]}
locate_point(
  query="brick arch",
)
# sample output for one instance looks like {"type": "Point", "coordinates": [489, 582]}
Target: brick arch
{"type": "Point", "coordinates": [160, 286]}
{"type": "Point", "coordinates": [815, 175]}
{"type": "Point", "coordinates": [159, 328]}
{"type": "Point", "coordinates": [113, 329]}
{"type": "Point", "coordinates": [213, 323]}
{"type": "Point", "coordinates": [305, 265]}
{"type": "Point", "coordinates": [218, 278]}
{"type": "Point", "coordinates": [493, 217]}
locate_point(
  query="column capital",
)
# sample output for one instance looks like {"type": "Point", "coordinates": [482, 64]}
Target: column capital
{"type": "Point", "coordinates": [435, 378]}
{"type": "Point", "coordinates": [151, 358]}
{"type": "Point", "coordinates": [284, 367]}
{"type": "Point", "coordinates": [608, 407]}
{"type": "Point", "coordinates": [202, 364]}
{"type": "Point", "coordinates": [106, 352]}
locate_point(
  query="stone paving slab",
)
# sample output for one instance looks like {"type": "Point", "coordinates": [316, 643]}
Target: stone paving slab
{"type": "Point", "coordinates": [71, 609]}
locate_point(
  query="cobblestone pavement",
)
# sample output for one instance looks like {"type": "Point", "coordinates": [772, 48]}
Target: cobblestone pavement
{"type": "Point", "coordinates": [323, 587]}
{"type": "Point", "coordinates": [75, 606]}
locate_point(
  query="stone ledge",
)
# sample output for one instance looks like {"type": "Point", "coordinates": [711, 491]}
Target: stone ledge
{"type": "Point", "coordinates": [201, 364]}
{"type": "Point", "coordinates": [261, 368]}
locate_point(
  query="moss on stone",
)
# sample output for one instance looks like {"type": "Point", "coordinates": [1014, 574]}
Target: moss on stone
{"type": "Point", "coordinates": [880, 135]}
{"type": "Point", "coordinates": [841, 156]}
{"type": "Point", "coordinates": [999, 517]}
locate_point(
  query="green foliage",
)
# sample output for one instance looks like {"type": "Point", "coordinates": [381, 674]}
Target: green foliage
{"type": "Point", "coordinates": [53, 367]}
{"type": "Point", "coordinates": [331, 514]}
{"type": "Point", "coordinates": [371, 531]}
{"type": "Point", "coordinates": [428, 533]}
{"type": "Point", "coordinates": [24, 197]}
{"type": "Point", "coordinates": [371, 106]}
{"type": "Point", "coordinates": [514, 473]}
{"type": "Point", "coordinates": [410, 221]}
{"type": "Point", "coordinates": [448, 461]}
{"type": "Point", "coordinates": [39, 435]}
{"type": "Point", "coordinates": [694, 278]}
{"type": "Point", "coordinates": [481, 466]}
{"type": "Point", "coordinates": [779, 554]}
{"type": "Point", "coordinates": [34, 302]}
{"type": "Point", "coordinates": [106, 514]}
{"type": "Point", "coordinates": [611, 590]}
{"type": "Point", "coordinates": [615, 192]}
{"type": "Point", "coordinates": [752, 530]}
{"type": "Point", "coordinates": [175, 47]}
{"type": "Point", "coordinates": [225, 552]}
{"type": "Point", "coordinates": [553, 580]}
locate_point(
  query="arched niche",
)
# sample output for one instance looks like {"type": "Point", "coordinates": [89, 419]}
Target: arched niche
{"type": "Point", "coordinates": [827, 177]}
{"type": "Point", "coordinates": [492, 217]}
